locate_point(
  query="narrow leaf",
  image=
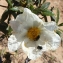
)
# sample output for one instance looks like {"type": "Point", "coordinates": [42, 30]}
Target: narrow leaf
{"type": "Point", "coordinates": [9, 29]}
{"type": "Point", "coordinates": [9, 3]}
{"type": "Point", "coordinates": [3, 27]}
{"type": "Point", "coordinates": [58, 32]}
{"type": "Point", "coordinates": [61, 30]}
{"type": "Point", "coordinates": [36, 11]}
{"type": "Point", "coordinates": [14, 15]}
{"type": "Point", "coordinates": [47, 12]}
{"type": "Point", "coordinates": [31, 7]}
{"type": "Point", "coordinates": [14, 9]}
{"type": "Point", "coordinates": [60, 24]}
{"type": "Point", "coordinates": [4, 16]}
{"type": "Point", "coordinates": [52, 18]}
{"type": "Point", "coordinates": [57, 18]}
{"type": "Point", "coordinates": [45, 5]}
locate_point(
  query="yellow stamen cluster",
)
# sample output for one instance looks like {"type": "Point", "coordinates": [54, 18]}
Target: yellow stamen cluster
{"type": "Point", "coordinates": [33, 33]}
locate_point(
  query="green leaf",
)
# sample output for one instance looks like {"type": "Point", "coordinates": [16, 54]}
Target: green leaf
{"type": "Point", "coordinates": [14, 15]}
{"type": "Point", "coordinates": [61, 30]}
{"type": "Point", "coordinates": [36, 11]}
{"type": "Point", "coordinates": [4, 16]}
{"type": "Point", "coordinates": [60, 24]}
{"type": "Point", "coordinates": [47, 12]}
{"type": "Point", "coordinates": [57, 18]}
{"type": "Point", "coordinates": [31, 7]}
{"type": "Point", "coordinates": [52, 18]}
{"type": "Point", "coordinates": [9, 29]}
{"type": "Point", "coordinates": [9, 3]}
{"type": "Point", "coordinates": [58, 32]}
{"type": "Point", "coordinates": [16, 9]}
{"type": "Point", "coordinates": [3, 27]}
{"type": "Point", "coordinates": [45, 5]}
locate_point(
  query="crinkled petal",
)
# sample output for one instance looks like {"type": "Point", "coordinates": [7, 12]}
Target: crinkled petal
{"type": "Point", "coordinates": [21, 35]}
{"type": "Point", "coordinates": [54, 44]}
{"type": "Point", "coordinates": [23, 17]}
{"type": "Point", "coordinates": [40, 42]}
{"type": "Point", "coordinates": [56, 41]}
{"type": "Point", "coordinates": [49, 39]}
{"type": "Point", "coordinates": [45, 36]}
{"type": "Point", "coordinates": [50, 26]}
{"type": "Point", "coordinates": [29, 43]}
{"type": "Point", "coordinates": [13, 44]}
{"type": "Point", "coordinates": [28, 24]}
{"type": "Point", "coordinates": [27, 19]}
{"type": "Point", "coordinates": [27, 15]}
{"type": "Point", "coordinates": [37, 23]}
{"type": "Point", "coordinates": [34, 53]}
{"type": "Point", "coordinates": [31, 52]}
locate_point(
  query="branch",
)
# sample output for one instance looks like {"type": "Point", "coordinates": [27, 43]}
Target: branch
{"type": "Point", "coordinates": [3, 6]}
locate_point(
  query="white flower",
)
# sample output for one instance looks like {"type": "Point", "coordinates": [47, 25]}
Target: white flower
{"type": "Point", "coordinates": [33, 35]}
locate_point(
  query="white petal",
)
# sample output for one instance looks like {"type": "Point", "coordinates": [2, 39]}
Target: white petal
{"type": "Point", "coordinates": [50, 26]}
{"type": "Point", "coordinates": [54, 44]}
{"type": "Point", "coordinates": [46, 47]}
{"type": "Point", "coordinates": [25, 20]}
{"type": "Point", "coordinates": [21, 35]}
{"type": "Point", "coordinates": [28, 17]}
{"type": "Point", "coordinates": [40, 42]}
{"type": "Point", "coordinates": [31, 52]}
{"type": "Point", "coordinates": [13, 45]}
{"type": "Point", "coordinates": [56, 41]}
{"type": "Point", "coordinates": [37, 23]}
{"type": "Point", "coordinates": [28, 24]}
{"type": "Point", "coordinates": [45, 36]}
{"type": "Point", "coordinates": [24, 48]}
{"type": "Point", "coordinates": [34, 53]}
{"type": "Point", "coordinates": [29, 43]}
{"type": "Point", "coordinates": [49, 39]}
{"type": "Point", "coordinates": [23, 17]}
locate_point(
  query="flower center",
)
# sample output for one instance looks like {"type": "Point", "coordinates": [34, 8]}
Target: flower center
{"type": "Point", "coordinates": [33, 33]}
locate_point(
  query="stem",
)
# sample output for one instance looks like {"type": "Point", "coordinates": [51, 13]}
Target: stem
{"type": "Point", "coordinates": [61, 30]}
{"type": "Point", "coordinates": [27, 60]}
{"type": "Point", "coordinates": [0, 60]}
{"type": "Point", "coordinates": [45, 19]}
{"type": "Point", "coordinates": [3, 6]}
{"type": "Point", "coordinates": [52, 8]}
{"type": "Point", "coordinates": [52, 19]}
{"type": "Point", "coordinates": [9, 18]}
